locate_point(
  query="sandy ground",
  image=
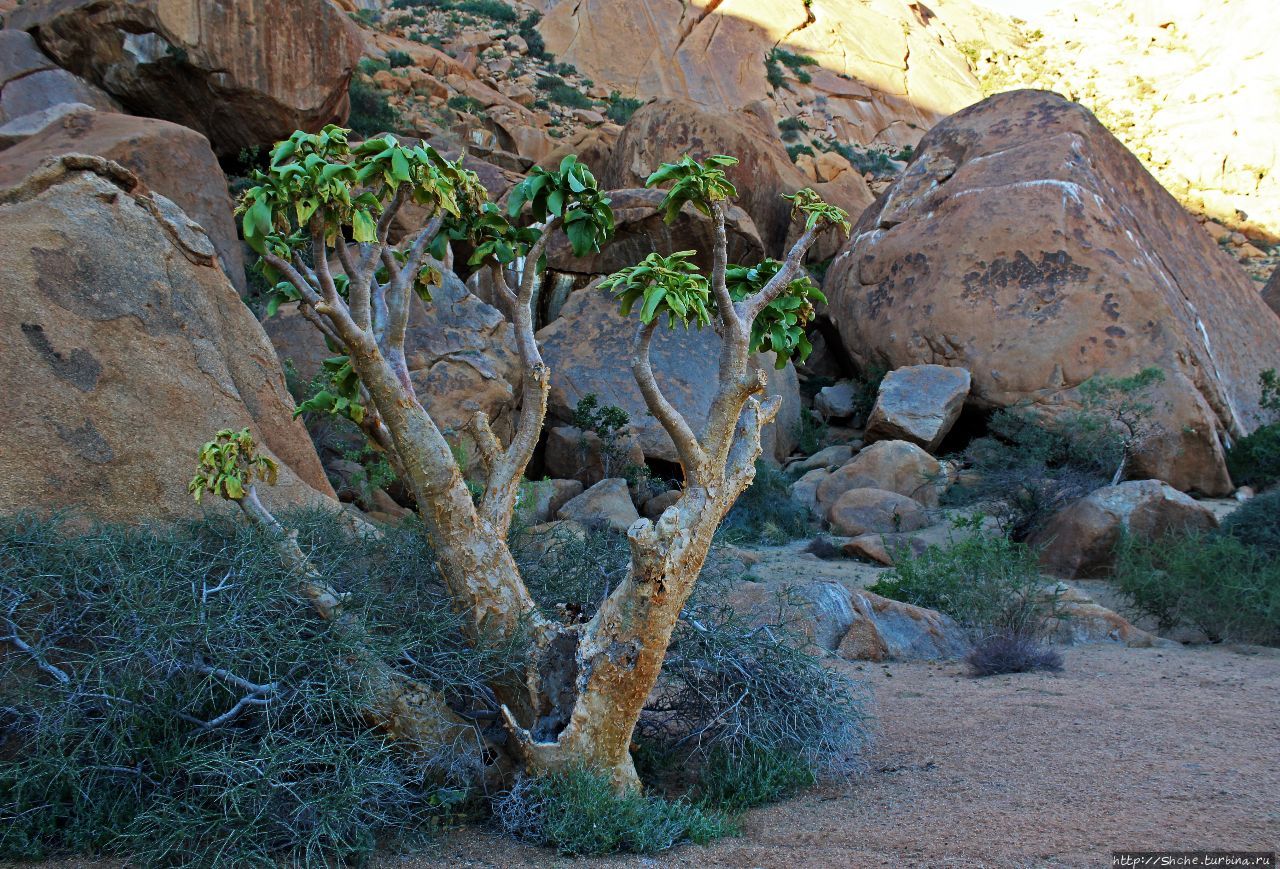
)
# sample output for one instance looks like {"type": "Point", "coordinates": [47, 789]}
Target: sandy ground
{"type": "Point", "coordinates": [1126, 749]}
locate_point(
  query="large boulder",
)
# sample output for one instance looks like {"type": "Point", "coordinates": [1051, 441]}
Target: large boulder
{"type": "Point", "coordinates": [589, 351]}
{"type": "Point", "coordinates": [1080, 540]}
{"type": "Point", "coordinates": [1025, 244]}
{"type": "Point", "coordinates": [172, 160]}
{"type": "Point", "coordinates": [31, 84]}
{"type": "Point", "coordinates": [461, 355]}
{"type": "Point", "coordinates": [892, 466]}
{"type": "Point", "coordinates": [244, 74]}
{"type": "Point", "coordinates": [640, 231]}
{"type": "Point", "coordinates": [666, 130]}
{"type": "Point", "coordinates": [918, 403]}
{"type": "Point", "coordinates": [122, 349]}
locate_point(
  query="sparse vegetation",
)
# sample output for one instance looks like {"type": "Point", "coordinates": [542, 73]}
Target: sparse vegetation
{"type": "Point", "coordinates": [989, 584]}
{"type": "Point", "coordinates": [371, 113]}
{"type": "Point", "coordinates": [467, 104]}
{"type": "Point", "coordinates": [621, 108]}
{"type": "Point", "coordinates": [397, 59]}
{"type": "Point", "coordinates": [766, 512]}
{"type": "Point", "coordinates": [578, 812]}
{"type": "Point", "coordinates": [1011, 653]}
{"type": "Point", "coordinates": [562, 93]}
{"type": "Point", "coordinates": [791, 127]}
{"type": "Point", "coordinates": [1032, 465]}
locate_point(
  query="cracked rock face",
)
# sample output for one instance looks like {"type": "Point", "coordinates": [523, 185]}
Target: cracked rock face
{"type": "Point", "coordinates": [1025, 244]}
{"type": "Point", "coordinates": [244, 74]}
{"type": "Point", "coordinates": [123, 348]}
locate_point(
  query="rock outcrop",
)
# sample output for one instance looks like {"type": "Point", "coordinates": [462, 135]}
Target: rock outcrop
{"type": "Point", "coordinates": [122, 349]}
{"type": "Point", "coordinates": [31, 83]}
{"type": "Point", "coordinates": [589, 351]}
{"type": "Point", "coordinates": [172, 160]}
{"type": "Point", "coordinates": [879, 73]}
{"type": "Point", "coordinates": [1025, 244]}
{"type": "Point", "coordinates": [1080, 540]}
{"type": "Point", "coordinates": [244, 74]}
{"type": "Point", "coordinates": [666, 130]}
{"type": "Point", "coordinates": [919, 404]}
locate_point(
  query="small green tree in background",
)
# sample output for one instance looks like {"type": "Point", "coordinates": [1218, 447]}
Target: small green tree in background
{"type": "Point", "coordinates": [583, 685]}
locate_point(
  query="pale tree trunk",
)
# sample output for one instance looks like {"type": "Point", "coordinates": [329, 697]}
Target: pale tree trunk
{"type": "Point", "coordinates": [581, 693]}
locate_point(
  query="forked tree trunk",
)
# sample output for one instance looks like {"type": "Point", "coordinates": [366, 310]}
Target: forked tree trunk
{"type": "Point", "coordinates": [582, 690]}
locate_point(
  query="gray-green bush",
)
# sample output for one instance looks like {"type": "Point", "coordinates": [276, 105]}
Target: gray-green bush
{"type": "Point", "coordinates": [167, 696]}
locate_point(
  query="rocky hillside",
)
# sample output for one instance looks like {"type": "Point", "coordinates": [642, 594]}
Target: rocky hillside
{"type": "Point", "coordinates": [1189, 88]}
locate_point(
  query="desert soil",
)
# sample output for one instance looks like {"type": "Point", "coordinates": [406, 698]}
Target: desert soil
{"type": "Point", "coordinates": [1126, 749]}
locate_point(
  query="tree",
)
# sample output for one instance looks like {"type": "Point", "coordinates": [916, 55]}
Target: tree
{"type": "Point", "coordinates": [583, 685]}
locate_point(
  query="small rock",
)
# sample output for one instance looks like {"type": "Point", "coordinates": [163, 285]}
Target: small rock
{"type": "Point", "coordinates": [830, 458]}
{"type": "Point", "coordinates": [837, 401]}
{"type": "Point", "coordinates": [542, 499]}
{"type": "Point", "coordinates": [918, 403]}
{"type": "Point", "coordinates": [658, 504]}
{"type": "Point", "coordinates": [606, 504]}
{"type": "Point", "coordinates": [805, 490]}
{"type": "Point", "coordinates": [894, 466]}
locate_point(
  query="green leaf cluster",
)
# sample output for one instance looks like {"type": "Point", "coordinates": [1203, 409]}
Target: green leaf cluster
{"type": "Point", "coordinates": [570, 192]}
{"type": "Point", "coordinates": [670, 285]}
{"type": "Point", "coordinates": [322, 173]}
{"type": "Point", "coordinates": [780, 326]}
{"type": "Point", "coordinates": [341, 397]}
{"type": "Point", "coordinates": [816, 212]}
{"type": "Point", "coordinates": [229, 464]}
{"type": "Point", "coordinates": [699, 184]}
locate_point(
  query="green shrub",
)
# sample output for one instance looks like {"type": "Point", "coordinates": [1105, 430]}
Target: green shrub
{"type": "Point", "coordinates": [989, 584]}
{"type": "Point", "coordinates": [810, 433]}
{"type": "Point", "coordinates": [371, 113]}
{"type": "Point", "coordinates": [561, 93]}
{"type": "Point", "coordinates": [754, 776]}
{"type": "Point", "coordinates": [1218, 583]}
{"type": "Point", "coordinates": [794, 151]}
{"type": "Point", "coordinates": [533, 37]}
{"type": "Point", "coordinates": [791, 128]}
{"type": "Point", "coordinates": [1257, 523]}
{"type": "Point", "coordinates": [746, 687]}
{"type": "Point", "coordinates": [397, 59]}
{"type": "Point", "coordinates": [766, 512]}
{"type": "Point", "coordinates": [1254, 460]}
{"type": "Point", "coordinates": [167, 696]}
{"type": "Point", "coordinates": [463, 103]}
{"type": "Point", "coordinates": [621, 108]}
{"type": "Point", "coordinates": [578, 813]}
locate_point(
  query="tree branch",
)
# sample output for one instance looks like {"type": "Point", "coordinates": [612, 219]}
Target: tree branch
{"type": "Point", "coordinates": [751, 307]}
{"type": "Point", "coordinates": [23, 646]}
{"type": "Point", "coordinates": [310, 294]}
{"type": "Point", "coordinates": [691, 455]}
{"type": "Point", "coordinates": [504, 479]}
{"type": "Point", "coordinates": [732, 325]}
